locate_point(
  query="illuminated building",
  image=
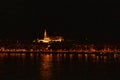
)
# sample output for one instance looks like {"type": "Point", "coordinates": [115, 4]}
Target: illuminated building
{"type": "Point", "coordinates": [47, 39]}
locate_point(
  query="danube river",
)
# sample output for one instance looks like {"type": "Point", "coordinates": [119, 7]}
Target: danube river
{"type": "Point", "coordinates": [63, 66]}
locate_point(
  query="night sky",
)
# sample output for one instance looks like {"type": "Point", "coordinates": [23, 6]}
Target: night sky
{"type": "Point", "coordinates": [97, 20]}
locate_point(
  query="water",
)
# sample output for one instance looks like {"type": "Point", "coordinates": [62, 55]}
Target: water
{"type": "Point", "coordinates": [34, 66]}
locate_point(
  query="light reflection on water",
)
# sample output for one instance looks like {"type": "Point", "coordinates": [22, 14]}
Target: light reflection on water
{"type": "Point", "coordinates": [57, 66]}
{"type": "Point", "coordinates": [45, 66]}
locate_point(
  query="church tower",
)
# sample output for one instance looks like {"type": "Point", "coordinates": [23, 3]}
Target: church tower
{"type": "Point", "coordinates": [46, 38]}
{"type": "Point", "coordinates": [45, 34]}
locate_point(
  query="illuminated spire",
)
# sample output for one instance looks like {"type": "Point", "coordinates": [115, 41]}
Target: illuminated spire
{"type": "Point", "coordinates": [45, 34]}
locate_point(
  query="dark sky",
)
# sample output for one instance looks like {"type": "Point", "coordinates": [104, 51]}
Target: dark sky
{"type": "Point", "coordinates": [92, 18]}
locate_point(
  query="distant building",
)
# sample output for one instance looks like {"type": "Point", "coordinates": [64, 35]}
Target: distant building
{"type": "Point", "coordinates": [47, 39]}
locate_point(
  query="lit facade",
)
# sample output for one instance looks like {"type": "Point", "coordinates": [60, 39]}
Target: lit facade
{"type": "Point", "coordinates": [47, 39]}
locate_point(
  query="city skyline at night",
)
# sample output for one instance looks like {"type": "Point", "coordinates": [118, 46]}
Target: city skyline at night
{"type": "Point", "coordinates": [59, 40]}
{"type": "Point", "coordinates": [94, 20]}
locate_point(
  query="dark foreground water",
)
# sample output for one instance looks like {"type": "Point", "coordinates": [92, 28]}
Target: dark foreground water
{"type": "Point", "coordinates": [34, 66]}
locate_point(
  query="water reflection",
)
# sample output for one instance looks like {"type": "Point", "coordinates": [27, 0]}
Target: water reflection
{"type": "Point", "coordinates": [45, 66]}
{"type": "Point", "coordinates": [71, 57]}
{"type": "Point", "coordinates": [57, 66]}
{"type": "Point", "coordinates": [59, 57]}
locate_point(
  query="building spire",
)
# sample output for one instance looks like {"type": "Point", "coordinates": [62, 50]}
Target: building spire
{"type": "Point", "coordinates": [45, 34]}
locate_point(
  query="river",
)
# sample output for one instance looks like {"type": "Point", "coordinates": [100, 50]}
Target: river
{"type": "Point", "coordinates": [60, 66]}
